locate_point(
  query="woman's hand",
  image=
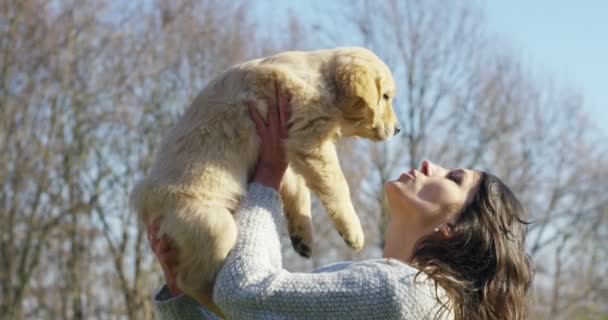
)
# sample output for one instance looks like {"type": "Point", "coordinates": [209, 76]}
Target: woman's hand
{"type": "Point", "coordinates": [272, 163]}
{"type": "Point", "coordinates": [166, 254]}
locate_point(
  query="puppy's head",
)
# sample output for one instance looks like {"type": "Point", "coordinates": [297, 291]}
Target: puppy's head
{"type": "Point", "coordinates": [365, 91]}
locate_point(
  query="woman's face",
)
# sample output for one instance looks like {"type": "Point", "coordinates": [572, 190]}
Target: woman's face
{"type": "Point", "coordinates": [431, 196]}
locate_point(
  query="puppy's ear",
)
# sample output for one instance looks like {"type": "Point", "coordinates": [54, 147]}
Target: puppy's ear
{"type": "Point", "coordinates": [357, 85]}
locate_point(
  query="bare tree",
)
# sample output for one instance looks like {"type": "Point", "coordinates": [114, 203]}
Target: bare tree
{"type": "Point", "coordinates": [87, 90]}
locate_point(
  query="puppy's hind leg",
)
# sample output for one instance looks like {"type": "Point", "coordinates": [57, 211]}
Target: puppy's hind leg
{"type": "Point", "coordinates": [296, 202]}
{"type": "Point", "coordinates": [204, 234]}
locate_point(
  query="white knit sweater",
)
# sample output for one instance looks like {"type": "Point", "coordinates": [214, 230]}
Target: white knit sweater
{"type": "Point", "coordinates": [253, 284]}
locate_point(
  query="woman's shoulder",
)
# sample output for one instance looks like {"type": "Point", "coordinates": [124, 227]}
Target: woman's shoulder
{"type": "Point", "coordinates": [388, 265]}
{"type": "Point", "coordinates": [394, 272]}
{"type": "Point", "coordinates": [411, 289]}
{"type": "Point", "coordinates": [402, 272]}
{"type": "Point", "coordinates": [394, 266]}
{"type": "Point", "coordinates": [415, 289]}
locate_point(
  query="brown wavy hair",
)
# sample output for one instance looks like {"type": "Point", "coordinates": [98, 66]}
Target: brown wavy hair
{"type": "Point", "coordinates": [483, 266]}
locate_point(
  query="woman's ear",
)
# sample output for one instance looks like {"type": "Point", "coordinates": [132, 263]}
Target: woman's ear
{"type": "Point", "coordinates": [356, 83]}
{"type": "Point", "coordinates": [445, 230]}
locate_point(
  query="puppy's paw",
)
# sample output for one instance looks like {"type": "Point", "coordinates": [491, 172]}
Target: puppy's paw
{"type": "Point", "coordinates": [354, 237]}
{"type": "Point", "coordinates": [299, 244]}
{"type": "Point", "coordinates": [300, 232]}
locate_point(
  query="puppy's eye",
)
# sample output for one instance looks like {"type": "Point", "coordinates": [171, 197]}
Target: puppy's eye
{"type": "Point", "coordinates": [385, 96]}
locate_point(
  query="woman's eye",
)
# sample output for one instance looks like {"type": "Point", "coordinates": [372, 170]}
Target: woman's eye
{"type": "Point", "coordinates": [455, 176]}
{"type": "Point", "coordinates": [385, 96]}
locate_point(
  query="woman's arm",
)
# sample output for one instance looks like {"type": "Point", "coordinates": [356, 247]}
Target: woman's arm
{"type": "Point", "coordinates": [253, 285]}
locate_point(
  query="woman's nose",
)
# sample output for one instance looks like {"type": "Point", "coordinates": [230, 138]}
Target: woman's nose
{"type": "Point", "coordinates": [431, 169]}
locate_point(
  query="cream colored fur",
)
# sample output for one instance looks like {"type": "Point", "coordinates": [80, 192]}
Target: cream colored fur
{"type": "Point", "coordinates": [202, 168]}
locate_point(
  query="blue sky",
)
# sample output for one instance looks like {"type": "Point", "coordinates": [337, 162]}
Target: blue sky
{"type": "Point", "coordinates": [566, 40]}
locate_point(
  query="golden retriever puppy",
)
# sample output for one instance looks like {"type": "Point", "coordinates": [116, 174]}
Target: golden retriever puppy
{"type": "Point", "coordinates": [203, 166]}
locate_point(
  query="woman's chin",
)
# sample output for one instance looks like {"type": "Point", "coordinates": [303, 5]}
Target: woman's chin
{"type": "Point", "coordinates": [390, 187]}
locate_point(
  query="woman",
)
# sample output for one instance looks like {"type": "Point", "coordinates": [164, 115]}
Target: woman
{"type": "Point", "coordinates": [454, 250]}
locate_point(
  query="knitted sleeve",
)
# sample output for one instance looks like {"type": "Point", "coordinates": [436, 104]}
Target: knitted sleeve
{"type": "Point", "coordinates": [253, 285]}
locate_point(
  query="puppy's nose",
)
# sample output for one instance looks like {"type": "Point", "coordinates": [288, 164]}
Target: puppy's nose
{"type": "Point", "coordinates": [397, 129]}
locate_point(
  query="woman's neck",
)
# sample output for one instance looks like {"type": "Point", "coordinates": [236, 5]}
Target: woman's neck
{"type": "Point", "coordinates": [400, 239]}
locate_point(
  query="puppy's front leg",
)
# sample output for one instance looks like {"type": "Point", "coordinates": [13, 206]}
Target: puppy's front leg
{"type": "Point", "coordinates": [321, 169]}
{"type": "Point", "coordinates": [296, 201]}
